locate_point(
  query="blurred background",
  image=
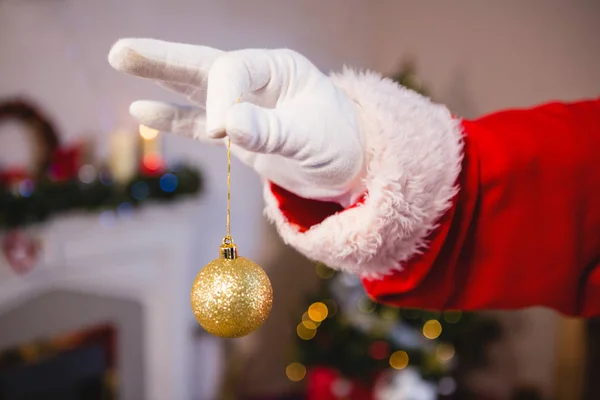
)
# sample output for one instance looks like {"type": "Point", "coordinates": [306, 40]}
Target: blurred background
{"type": "Point", "coordinates": [104, 225]}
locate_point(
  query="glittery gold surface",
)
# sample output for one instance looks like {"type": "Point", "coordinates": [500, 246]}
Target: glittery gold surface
{"type": "Point", "coordinates": [231, 298]}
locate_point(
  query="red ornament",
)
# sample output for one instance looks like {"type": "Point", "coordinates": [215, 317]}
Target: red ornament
{"type": "Point", "coordinates": [328, 384]}
{"type": "Point", "coordinates": [65, 163]}
{"type": "Point", "coordinates": [21, 251]}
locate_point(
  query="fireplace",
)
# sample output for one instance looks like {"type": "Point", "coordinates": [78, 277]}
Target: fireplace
{"type": "Point", "coordinates": [72, 346]}
{"type": "Point", "coordinates": [76, 366]}
{"type": "Point", "coordinates": [127, 283]}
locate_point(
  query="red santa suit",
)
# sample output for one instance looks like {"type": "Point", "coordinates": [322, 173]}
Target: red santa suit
{"type": "Point", "coordinates": [501, 212]}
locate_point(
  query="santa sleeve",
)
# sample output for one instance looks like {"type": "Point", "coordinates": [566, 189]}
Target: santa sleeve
{"type": "Point", "coordinates": [498, 213]}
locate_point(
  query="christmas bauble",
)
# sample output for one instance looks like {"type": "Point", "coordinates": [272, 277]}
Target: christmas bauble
{"type": "Point", "coordinates": [231, 296]}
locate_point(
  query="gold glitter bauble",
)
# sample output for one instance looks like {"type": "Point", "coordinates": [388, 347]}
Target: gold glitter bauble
{"type": "Point", "coordinates": [231, 296]}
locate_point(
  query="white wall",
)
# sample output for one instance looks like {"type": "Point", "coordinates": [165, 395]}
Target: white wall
{"type": "Point", "coordinates": [477, 56]}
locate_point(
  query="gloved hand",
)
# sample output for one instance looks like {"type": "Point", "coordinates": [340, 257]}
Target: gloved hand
{"type": "Point", "coordinates": [284, 117]}
{"type": "Point", "coordinates": [343, 138]}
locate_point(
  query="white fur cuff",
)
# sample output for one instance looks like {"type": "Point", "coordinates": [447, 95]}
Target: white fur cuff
{"type": "Point", "coordinates": [415, 150]}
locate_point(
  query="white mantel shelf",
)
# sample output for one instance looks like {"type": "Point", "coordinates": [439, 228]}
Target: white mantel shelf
{"type": "Point", "coordinates": [149, 257]}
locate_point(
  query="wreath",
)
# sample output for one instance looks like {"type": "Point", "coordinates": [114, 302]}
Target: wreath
{"type": "Point", "coordinates": [40, 126]}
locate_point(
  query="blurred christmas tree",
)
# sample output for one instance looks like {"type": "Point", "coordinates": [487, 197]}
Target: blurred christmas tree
{"type": "Point", "coordinates": [349, 347]}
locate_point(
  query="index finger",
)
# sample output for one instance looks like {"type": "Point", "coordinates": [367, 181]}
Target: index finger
{"type": "Point", "coordinates": [164, 61]}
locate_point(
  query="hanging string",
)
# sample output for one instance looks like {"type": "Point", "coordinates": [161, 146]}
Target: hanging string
{"type": "Point", "coordinates": [229, 189]}
{"type": "Point", "coordinates": [228, 239]}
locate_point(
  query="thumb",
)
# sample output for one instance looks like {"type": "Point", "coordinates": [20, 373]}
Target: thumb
{"type": "Point", "coordinates": [265, 130]}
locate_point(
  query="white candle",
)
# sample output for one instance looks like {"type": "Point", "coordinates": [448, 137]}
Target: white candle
{"type": "Point", "coordinates": [123, 158]}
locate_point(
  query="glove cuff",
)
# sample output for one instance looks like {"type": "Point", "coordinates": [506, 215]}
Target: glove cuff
{"type": "Point", "coordinates": [414, 158]}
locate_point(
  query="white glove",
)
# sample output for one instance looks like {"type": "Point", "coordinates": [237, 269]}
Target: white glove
{"type": "Point", "coordinates": [292, 124]}
{"type": "Point", "coordinates": [325, 138]}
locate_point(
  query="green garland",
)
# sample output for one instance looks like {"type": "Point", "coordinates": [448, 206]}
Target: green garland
{"type": "Point", "coordinates": [31, 199]}
{"type": "Point", "coordinates": [34, 202]}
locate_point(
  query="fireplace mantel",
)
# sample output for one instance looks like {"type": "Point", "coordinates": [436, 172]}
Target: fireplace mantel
{"type": "Point", "coordinates": [150, 257]}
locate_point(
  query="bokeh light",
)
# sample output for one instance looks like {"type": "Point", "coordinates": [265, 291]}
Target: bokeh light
{"type": "Point", "coordinates": [26, 187]}
{"type": "Point", "coordinates": [444, 352]}
{"type": "Point", "coordinates": [432, 329]}
{"type": "Point", "coordinates": [399, 359]}
{"type": "Point", "coordinates": [309, 322]}
{"type": "Point", "coordinates": [310, 325]}
{"type": "Point", "coordinates": [168, 183]}
{"type": "Point", "coordinates": [366, 305]}
{"type": "Point", "coordinates": [390, 313]}
{"type": "Point", "coordinates": [446, 386]}
{"type": "Point", "coordinates": [153, 162]}
{"type": "Point", "coordinates": [87, 173]}
{"type": "Point", "coordinates": [147, 132]}
{"type": "Point", "coordinates": [317, 311]}
{"type": "Point", "coordinates": [452, 316]}
{"type": "Point", "coordinates": [105, 177]}
{"type": "Point", "coordinates": [295, 371]}
{"type": "Point", "coordinates": [323, 271]}
{"type": "Point", "coordinates": [305, 333]}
